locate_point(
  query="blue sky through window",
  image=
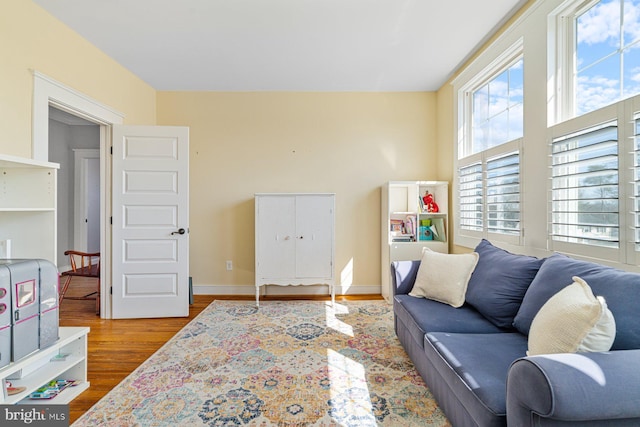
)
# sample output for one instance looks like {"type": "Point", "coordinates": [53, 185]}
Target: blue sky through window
{"type": "Point", "coordinates": [607, 54]}
{"type": "Point", "coordinates": [498, 109]}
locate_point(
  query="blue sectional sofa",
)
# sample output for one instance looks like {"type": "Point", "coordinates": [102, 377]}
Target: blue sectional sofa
{"type": "Point", "coordinates": [474, 358]}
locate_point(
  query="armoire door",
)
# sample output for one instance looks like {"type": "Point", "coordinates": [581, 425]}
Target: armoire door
{"type": "Point", "coordinates": [314, 236]}
{"type": "Point", "coordinates": [276, 236]}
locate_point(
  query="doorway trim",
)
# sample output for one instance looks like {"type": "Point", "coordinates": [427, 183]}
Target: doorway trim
{"type": "Point", "coordinates": [49, 92]}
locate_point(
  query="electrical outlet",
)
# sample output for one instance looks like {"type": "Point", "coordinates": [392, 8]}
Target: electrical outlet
{"type": "Point", "coordinates": [229, 265]}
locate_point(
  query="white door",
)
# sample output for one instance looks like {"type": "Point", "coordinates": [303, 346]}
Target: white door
{"type": "Point", "coordinates": [87, 200]}
{"type": "Point", "coordinates": [150, 231]}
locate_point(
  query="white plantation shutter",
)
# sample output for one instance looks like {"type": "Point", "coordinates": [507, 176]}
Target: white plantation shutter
{"type": "Point", "coordinates": [503, 194]}
{"type": "Point", "coordinates": [585, 187]}
{"type": "Point", "coordinates": [489, 194]}
{"type": "Point", "coordinates": [471, 197]}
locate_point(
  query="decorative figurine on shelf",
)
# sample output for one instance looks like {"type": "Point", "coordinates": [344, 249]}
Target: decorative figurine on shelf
{"type": "Point", "coordinates": [430, 205]}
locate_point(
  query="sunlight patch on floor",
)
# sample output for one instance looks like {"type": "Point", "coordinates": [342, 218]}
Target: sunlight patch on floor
{"type": "Point", "coordinates": [349, 393]}
{"type": "Point", "coordinates": [333, 322]}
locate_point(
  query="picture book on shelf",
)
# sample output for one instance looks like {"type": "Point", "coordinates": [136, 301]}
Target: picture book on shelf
{"type": "Point", "coordinates": [437, 227]}
{"type": "Point", "coordinates": [403, 230]}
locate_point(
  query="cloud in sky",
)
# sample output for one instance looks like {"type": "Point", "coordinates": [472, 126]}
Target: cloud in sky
{"type": "Point", "coordinates": [596, 92]}
{"type": "Point", "coordinates": [598, 34]}
{"type": "Point", "coordinates": [602, 23]}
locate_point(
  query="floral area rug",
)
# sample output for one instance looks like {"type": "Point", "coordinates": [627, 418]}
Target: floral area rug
{"type": "Point", "coordinates": [287, 363]}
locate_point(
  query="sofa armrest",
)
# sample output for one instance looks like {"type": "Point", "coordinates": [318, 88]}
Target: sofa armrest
{"type": "Point", "coordinates": [403, 276]}
{"type": "Point", "coordinates": [575, 387]}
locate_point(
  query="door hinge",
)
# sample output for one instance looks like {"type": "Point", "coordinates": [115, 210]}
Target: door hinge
{"type": "Point", "coordinates": [111, 290]}
{"type": "Point", "coordinates": [111, 220]}
{"type": "Point", "coordinates": [111, 150]}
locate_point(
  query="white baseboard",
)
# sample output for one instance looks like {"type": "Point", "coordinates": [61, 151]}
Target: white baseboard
{"type": "Point", "coordinates": [283, 290]}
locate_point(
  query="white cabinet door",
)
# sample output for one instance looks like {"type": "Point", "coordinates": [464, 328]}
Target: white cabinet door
{"type": "Point", "coordinates": [276, 236]}
{"type": "Point", "coordinates": [314, 236]}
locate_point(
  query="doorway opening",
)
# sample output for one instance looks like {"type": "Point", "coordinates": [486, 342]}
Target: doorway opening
{"type": "Point", "coordinates": [74, 143]}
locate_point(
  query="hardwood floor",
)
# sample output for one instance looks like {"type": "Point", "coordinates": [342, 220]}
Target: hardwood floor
{"type": "Point", "coordinates": [117, 347]}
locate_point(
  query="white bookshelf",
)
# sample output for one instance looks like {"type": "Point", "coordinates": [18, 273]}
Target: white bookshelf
{"type": "Point", "coordinates": [401, 202]}
{"type": "Point", "coordinates": [28, 192]}
{"type": "Point", "coordinates": [38, 369]}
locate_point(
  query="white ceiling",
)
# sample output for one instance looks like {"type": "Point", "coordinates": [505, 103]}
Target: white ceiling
{"type": "Point", "coordinates": [286, 45]}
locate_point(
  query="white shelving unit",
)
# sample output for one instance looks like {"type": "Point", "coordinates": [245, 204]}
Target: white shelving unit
{"type": "Point", "coordinates": [38, 369]}
{"type": "Point", "coordinates": [28, 191]}
{"type": "Point", "coordinates": [402, 215]}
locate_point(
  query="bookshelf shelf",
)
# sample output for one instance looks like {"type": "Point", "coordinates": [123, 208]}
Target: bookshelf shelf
{"type": "Point", "coordinates": [28, 218]}
{"type": "Point", "coordinates": [38, 369]}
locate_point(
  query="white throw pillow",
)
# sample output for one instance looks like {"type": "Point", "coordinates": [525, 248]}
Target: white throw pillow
{"type": "Point", "coordinates": [444, 277]}
{"type": "Point", "coordinates": [573, 320]}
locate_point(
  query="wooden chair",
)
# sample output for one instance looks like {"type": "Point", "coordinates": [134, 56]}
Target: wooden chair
{"type": "Point", "coordinates": [83, 264]}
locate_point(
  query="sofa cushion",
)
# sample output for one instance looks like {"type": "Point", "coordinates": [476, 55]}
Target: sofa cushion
{"type": "Point", "coordinates": [480, 363]}
{"type": "Point", "coordinates": [499, 282]}
{"type": "Point", "coordinates": [444, 277]}
{"type": "Point", "coordinates": [421, 315]}
{"type": "Point", "coordinates": [573, 320]}
{"type": "Point", "coordinates": [619, 289]}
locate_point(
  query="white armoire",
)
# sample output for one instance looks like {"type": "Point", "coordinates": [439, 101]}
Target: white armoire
{"type": "Point", "coordinates": [295, 240]}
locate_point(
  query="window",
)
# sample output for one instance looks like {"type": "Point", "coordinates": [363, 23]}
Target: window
{"type": "Point", "coordinates": [497, 109]}
{"type": "Point", "coordinates": [607, 53]}
{"type": "Point", "coordinates": [585, 187]}
{"type": "Point", "coordinates": [593, 157]}
{"type": "Point", "coordinates": [568, 180]}
{"type": "Point", "coordinates": [599, 44]}
{"type": "Point", "coordinates": [489, 152]}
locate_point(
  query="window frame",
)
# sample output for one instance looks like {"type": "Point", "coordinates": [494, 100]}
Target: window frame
{"type": "Point", "coordinates": [562, 38]}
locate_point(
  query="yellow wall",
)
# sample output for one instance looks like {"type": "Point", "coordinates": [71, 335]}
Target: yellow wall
{"type": "Point", "coordinates": [346, 143]}
{"type": "Point", "coordinates": [31, 39]}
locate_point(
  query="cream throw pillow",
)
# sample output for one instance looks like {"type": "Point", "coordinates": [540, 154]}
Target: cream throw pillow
{"type": "Point", "coordinates": [573, 320]}
{"type": "Point", "coordinates": [444, 277]}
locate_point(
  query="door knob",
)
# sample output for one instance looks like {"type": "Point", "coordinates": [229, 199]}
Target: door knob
{"type": "Point", "coordinates": [180, 231]}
